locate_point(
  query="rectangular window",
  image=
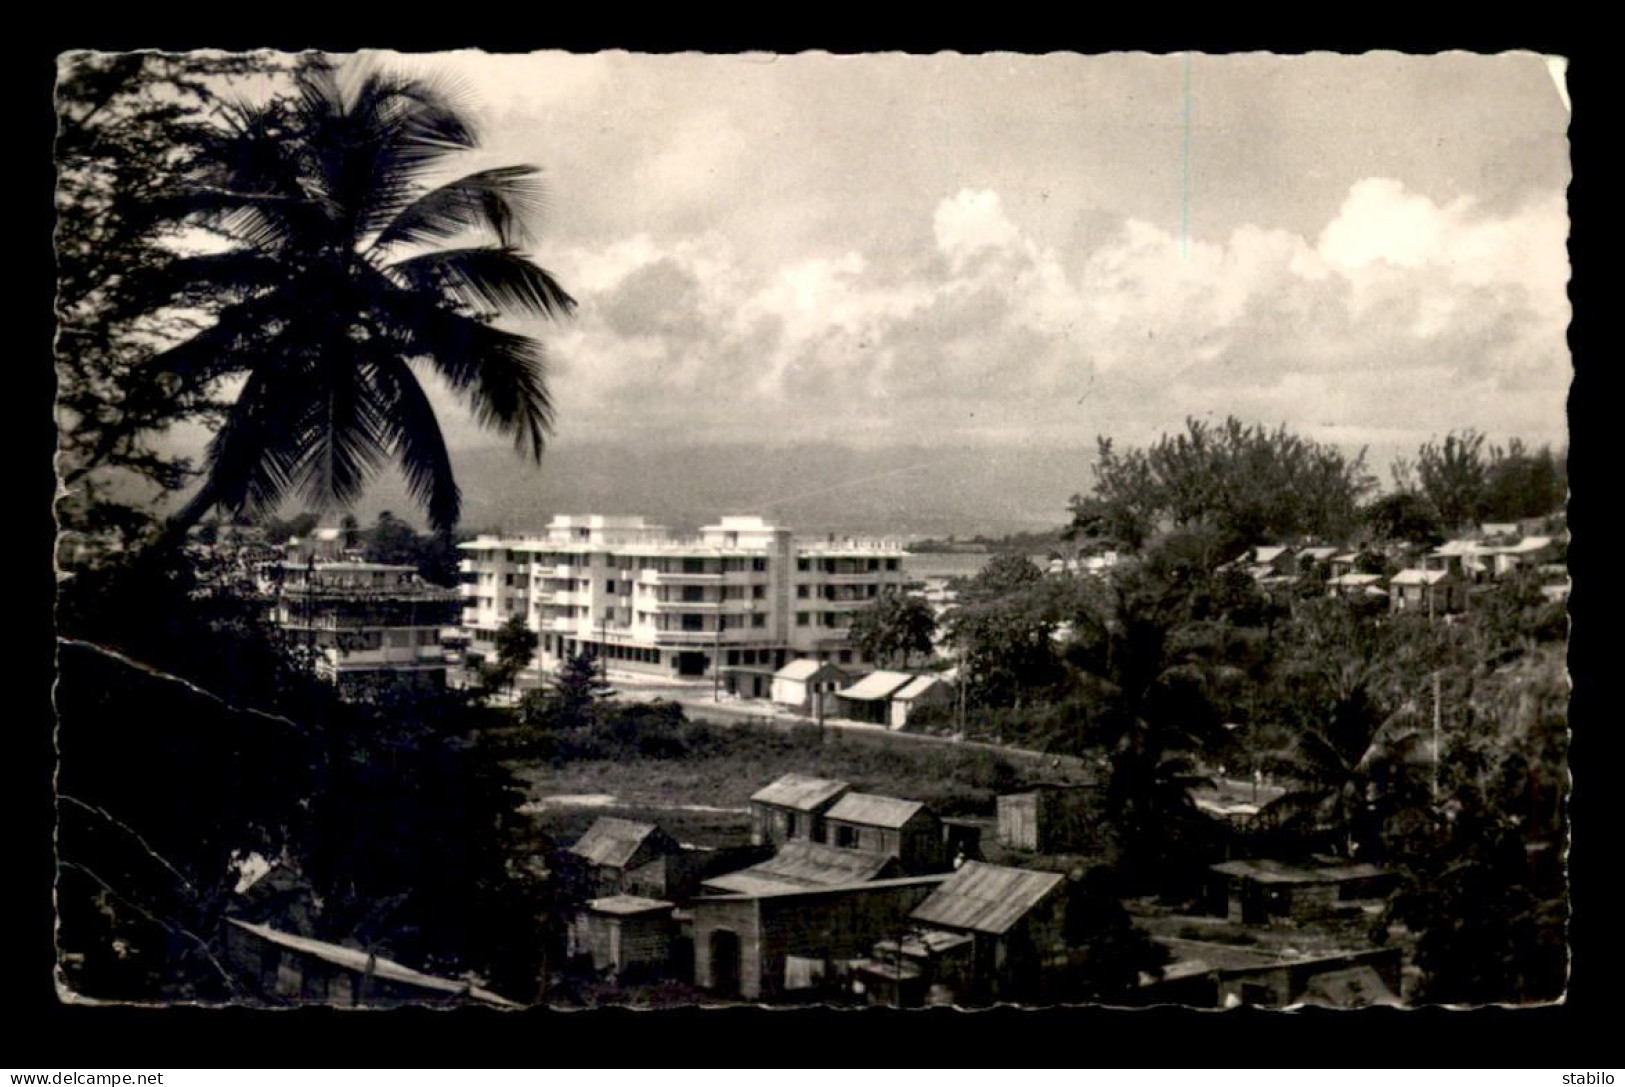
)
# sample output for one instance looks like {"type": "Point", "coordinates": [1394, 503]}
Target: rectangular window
{"type": "Point", "coordinates": [891, 564]}
{"type": "Point", "coordinates": [803, 565]}
{"type": "Point", "coordinates": [802, 618]}
{"type": "Point", "coordinates": [693, 594]}
{"type": "Point", "coordinates": [758, 592]}
{"type": "Point", "coordinates": [758, 564]}
{"type": "Point", "coordinates": [693, 622]}
{"type": "Point", "coordinates": [758, 620]}
{"type": "Point", "coordinates": [802, 591]}
{"type": "Point", "coordinates": [846, 837]}
{"type": "Point", "coordinates": [609, 587]}
{"type": "Point", "coordinates": [693, 566]}
{"type": "Point", "coordinates": [846, 656]}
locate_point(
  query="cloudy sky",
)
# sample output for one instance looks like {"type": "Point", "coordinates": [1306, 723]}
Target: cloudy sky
{"type": "Point", "coordinates": [1005, 250]}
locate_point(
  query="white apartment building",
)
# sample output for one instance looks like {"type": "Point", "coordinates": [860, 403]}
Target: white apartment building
{"type": "Point", "coordinates": [741, 594]}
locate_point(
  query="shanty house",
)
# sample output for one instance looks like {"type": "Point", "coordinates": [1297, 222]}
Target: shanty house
{"type": "Point", "coordinates": [801, 684]}
{"type": "Point", "coordinates": [1432, 592]}
{"type": "Point", "coordinates": [624, 936]}
{"type": "Point", "coordinates": [905, 829]}
{"type": "Point", "coordinates": [778, 943]}
{"type": "Point", "coordinates": [869, 699]}
{"type": "Point", "coordinates": [806, 864]}
{"type": "Point", "coordinates": [1205, 974]}
{"type": "Point", "coordinates": [792, 809]}
{"type": "Point", "coordinates": [920, 691]}
{"type": "Point", "coordinates": [607, 856]}
{"type": "Point", "coordinates": [282, 968]}
{"type": "Point", "coordinates": [1017, 921]}
{"type": "Point", "coordinates": [1258, 892]}
{"type": "Point", "coordinates": [1053, 819]}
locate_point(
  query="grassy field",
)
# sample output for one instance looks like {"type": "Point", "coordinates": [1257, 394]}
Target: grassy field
{"type": "Point", "coordinates": [720, 766]}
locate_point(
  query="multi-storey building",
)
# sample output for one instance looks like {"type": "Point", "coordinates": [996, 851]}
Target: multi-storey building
{"type": "Point", "coordinates": [741, 593]}
{"type": "Point", "coordinates": [370, 624]}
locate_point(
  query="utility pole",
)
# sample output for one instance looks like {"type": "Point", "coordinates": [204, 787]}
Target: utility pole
{"type": "Point", "coordinates": [1437, 714]}
{"type": "Point", "coordinates": [716, 658]}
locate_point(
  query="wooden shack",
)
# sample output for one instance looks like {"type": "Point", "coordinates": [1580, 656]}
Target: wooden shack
{"type": "Point", "coordinates": [1053, 819]}
{"type": "Point", "coordinates": [624, 936]}
{"type": "Point", "coordinates": [604, 859]}
{"type": "Point", "coordinates": [1017, 921]}
{"type": "Point", "coordinates": [804, 941]}
{"type": "Point", "coordinates": [905, 829]}
{"type": "Point", "coordinates": [792, 809]}
{"type": "Point", "coordinates": [1205, 974]}
{"type": "Point", "coordinates": [806, 864]}
{"type": "Point", "coordinates": [1265, 891]}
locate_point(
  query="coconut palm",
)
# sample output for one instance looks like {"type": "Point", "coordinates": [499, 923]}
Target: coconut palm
{"type": "Point", "coordinates": [346, 266]}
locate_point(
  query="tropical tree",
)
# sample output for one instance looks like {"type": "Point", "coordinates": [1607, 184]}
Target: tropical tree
{"type": "Point", "coordinates": [516, 646]}
{"type": "Point", "coordinates": [895, 625]}
{"type": "Point", "coordinates": [343, 266]}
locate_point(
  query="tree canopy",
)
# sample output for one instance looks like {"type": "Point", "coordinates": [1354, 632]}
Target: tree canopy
{"type": "Point", "coordinates": [342, 265]}
{"type": "Point", "coordinates": [1247, 483]}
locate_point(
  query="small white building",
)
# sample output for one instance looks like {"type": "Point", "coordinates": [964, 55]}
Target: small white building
{"type": "Point", "coordinates": [921, 691]}
{"type": "Point", "coordinates": [801, 683]}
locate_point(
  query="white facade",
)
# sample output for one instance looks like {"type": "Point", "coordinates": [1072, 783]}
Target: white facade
{"type": "Point", "coordinates": [740, 593]}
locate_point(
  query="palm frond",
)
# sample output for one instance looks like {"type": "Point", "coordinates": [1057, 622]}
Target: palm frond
{"type": "Point", "coordinates": [415, 440]}
{"type": "Point", "coordinates": [488, 278]}
{"type": "Point", "coordinates": [252, 459]}
{"type": "Point", "coordinates": [344, 433]}
{"type": "Point", "coordinates": [502, 374]}
{"type": "Point", "coordinates": [498, 200]}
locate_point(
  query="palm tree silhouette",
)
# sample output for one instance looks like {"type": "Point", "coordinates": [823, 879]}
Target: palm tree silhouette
{"type": "Point", "coordinates": [344, 267]}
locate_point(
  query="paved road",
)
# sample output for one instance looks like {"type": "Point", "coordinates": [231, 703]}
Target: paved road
{"type": "Point", "coordinates": [699, 704]}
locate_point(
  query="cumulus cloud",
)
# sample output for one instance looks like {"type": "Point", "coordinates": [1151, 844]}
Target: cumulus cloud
{"type": "Point", "coordinates": [1399, 314]}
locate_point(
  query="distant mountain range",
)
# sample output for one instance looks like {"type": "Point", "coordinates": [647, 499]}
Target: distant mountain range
{"type": "Point", "coordinates": [900, 491]}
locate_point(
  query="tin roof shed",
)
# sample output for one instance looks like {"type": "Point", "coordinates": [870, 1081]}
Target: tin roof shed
{"type": "Point", "coordinates": [987, 898]}
{"type": "Point", "coordinates": [800, 792]}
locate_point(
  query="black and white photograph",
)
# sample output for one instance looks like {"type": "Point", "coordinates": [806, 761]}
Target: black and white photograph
{"type": "Point", "coordinates": [874, 530]}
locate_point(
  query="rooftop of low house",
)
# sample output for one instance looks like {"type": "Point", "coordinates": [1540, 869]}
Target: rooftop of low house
{"type": "Point", "coordinates": [800, 792]}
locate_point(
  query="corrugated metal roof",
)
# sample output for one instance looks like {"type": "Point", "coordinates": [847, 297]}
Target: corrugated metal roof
{"type": "Point", "coordinates": [612, 842]}
{"type": "Point", "coordinates": [1269, 554]}
{"type": "Point", "coordinates": [986, 897]}
{"type": "Point", "coordinates": [1265, 870]}
{"type": "Point", "coordinates": [800, 792]}
{"type": "Point", "coordinates": [873, 810]}
{"type": "Point", "coordinates": [916, 687]}
{"type": "Point", "coordinates": [876, 685]}
{"type": "Point", "coordinates": [815, 864]}
{"type": "Point", "coordinates": [352, 958]}
{"type": "Point", "coordinates": [1355, 580]}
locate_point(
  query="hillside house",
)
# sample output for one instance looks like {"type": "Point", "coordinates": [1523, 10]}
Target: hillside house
{"type": "Point", "coordinates": [1016, 920]}
{"type": "Point", "coordinates": [608, 859]}
{"type": "Point", "coordinates": [624, 936]}
{"type": "Point", "coordinates": [1354, 586]}
{"type": "Point", "coordinates": [1264, 891]}
{"type": "Point", "coordinates": [1346, 562]}
{"type": "Point", "coordinates": [1430, 592]}
{"type": "Point", "coordinates": [905, 829]}
{"type": "Point", "coordinates": [801, 684]}
{"type": "Point", "coordinates": [1315, 561]}
{"type": "Point", "coordinates": [792, 809]}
